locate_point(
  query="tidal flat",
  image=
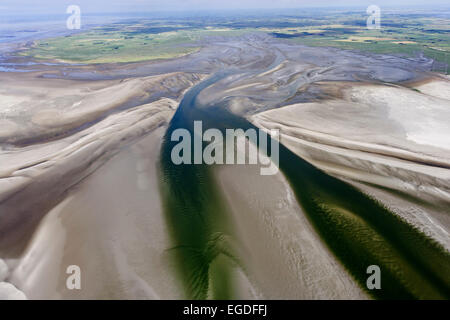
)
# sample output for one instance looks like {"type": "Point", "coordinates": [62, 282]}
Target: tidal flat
{"type": "Point", "coordinates": [86, 176]}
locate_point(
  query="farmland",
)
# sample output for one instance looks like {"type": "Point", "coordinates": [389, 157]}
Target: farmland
{"type": "Point", "coordinates": [150, 39]}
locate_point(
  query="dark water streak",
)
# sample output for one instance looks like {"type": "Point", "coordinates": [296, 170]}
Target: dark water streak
{"type": "Point", "coordinates": [358, 229]}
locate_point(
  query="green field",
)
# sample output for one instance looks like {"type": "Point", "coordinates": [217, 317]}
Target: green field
{"type": "Point", "coordinates": [409, 40]}
{"type": "Point", "coordinates": [99, 46]}
{"type": "Point", "coordinates": [124, 43]}
{"type": "Point", "coordinates": [403, 34]}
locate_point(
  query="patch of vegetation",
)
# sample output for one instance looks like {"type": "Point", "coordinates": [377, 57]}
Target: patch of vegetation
{"type": "Point", "coordinates": [130, 41]}
{"type": "Point", "coordinates": [103, 46]}
{"type": "Point", "coordinates": [399, 34]}
{"type": "Point", "coordinates": [139, 40]}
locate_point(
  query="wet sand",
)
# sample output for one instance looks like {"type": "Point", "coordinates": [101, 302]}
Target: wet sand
{"type": "Point", "coordinates": [284, 256]}
{"type": "Point", "coordinates": [35, 109]}
{"type": "Point", "coordinates": [387, 137]}
{"type": "Point", "coordinates": [79, 177]}
{"type": "Point", "coordinates": [58, 166]}
{"type": "Point", "coordinates": [112, 226]}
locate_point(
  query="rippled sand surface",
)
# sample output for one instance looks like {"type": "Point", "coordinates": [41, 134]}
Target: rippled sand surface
{"type": "Point", "coordinates": [81, 180]}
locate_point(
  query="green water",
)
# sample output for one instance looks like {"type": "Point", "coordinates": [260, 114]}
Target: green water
{"type": "Point", "coordinates": [196, 213]}
{"type": "Point", "coordinates": [357, 229]}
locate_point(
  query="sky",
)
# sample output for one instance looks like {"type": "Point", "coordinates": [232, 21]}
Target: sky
{"type": "Point", "coordinates": [105, 6]}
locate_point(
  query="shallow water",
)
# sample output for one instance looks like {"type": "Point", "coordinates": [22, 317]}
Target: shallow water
{"type": "Point", "coordinates": [358, 229]}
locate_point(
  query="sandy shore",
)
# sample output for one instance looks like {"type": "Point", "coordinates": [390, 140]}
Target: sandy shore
{"type": "Point", "coordinates": [73, 205]}
{"type": "Point", "coordinates": [35, 109]}
{"type": "Point", "coordinates": [57, 166]}
{"type": "Point", "coordinates": [388, 137]}
{"type": "Point", "coordinates": [79, 181]}
{"type": "Point", "coordinates": [112, 227]}
{"type": "Point", "coordinates": [79, 158]}
{"type": "Point", "coordinates": [284, 257]}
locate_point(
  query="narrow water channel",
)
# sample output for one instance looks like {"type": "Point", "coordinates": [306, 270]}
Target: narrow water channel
{"type": "Point", "coordinates": [357, 229]}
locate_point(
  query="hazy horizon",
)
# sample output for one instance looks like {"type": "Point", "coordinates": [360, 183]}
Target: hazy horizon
{"type": "Point", "coordinates": [27, 7]}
